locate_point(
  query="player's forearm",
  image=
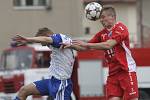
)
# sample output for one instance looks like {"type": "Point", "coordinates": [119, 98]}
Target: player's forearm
{"type": "Point", "coordinates": [78, 48]}
{"type": "Point", "coordinates": [109, 44]}
{"type": "Point", "coordinates": [99, 46]}
{"type": "Point", "coordinates": [39, 39]}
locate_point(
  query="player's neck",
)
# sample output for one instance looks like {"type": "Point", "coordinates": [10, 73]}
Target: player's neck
{"type": "Point", "coordinates": [109, 28]}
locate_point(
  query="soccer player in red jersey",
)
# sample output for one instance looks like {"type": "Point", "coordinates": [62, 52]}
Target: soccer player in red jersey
{"type": "Point", "coordinates": [114, 40]}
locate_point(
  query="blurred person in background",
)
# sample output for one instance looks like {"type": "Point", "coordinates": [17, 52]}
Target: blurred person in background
{"type": "Point", "coordinates": [59, 84]}
{"type": "Point", "coordinates": [114, 40]}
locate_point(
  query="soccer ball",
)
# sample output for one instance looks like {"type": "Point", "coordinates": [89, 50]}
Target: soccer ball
{"type": "Point", "coordinates": [92, 11]}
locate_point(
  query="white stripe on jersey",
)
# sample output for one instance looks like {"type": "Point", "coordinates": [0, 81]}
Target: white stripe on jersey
{"type": "Point", "coordinates": [130, 61]}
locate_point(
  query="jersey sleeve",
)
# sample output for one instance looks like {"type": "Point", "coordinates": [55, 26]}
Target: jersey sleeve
{"type": "Point", "coordinates": [56, 40]}
{"type": "Point", "coordinates": [95, 39]}
{"type": "Point", "coordinates": [120, 33]}
{"type": "Point", "coordinates": [60, 38]}
{"type": "Point", "coordinates": [66, 39]}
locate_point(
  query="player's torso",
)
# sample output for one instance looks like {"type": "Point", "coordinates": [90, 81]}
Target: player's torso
{"type": "Point", "coordinates": [62, 61]}
{"type": "Point", "coordinates": [111, 54]}
{"type": "Point", "coordinates": [116, 58]}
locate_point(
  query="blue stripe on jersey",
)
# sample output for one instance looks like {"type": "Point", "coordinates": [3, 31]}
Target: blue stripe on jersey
{"type": "Point", "coordinates": [56, 40]}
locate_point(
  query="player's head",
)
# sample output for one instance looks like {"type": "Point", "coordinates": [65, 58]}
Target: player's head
{"type": "Point", "coordinates": [108, 16]}
{"type": "Point", "coordinates": [44, 32]}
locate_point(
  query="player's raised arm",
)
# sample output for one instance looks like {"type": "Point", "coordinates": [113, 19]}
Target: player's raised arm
{"type": "Point", "coordinates": [76, 45]}
{"type": "Point", "coordinates": [80, 45]}
{"type": "Point", "coordinates": [42, 36]}
{"type": "Point", "coordinates": [39, 39]}
{"type": "Point", "coordinates": [78, 48]}
{"type": "Point", "coordinates": [109, 44]}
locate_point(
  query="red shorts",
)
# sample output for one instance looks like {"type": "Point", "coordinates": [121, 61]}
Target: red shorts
{"type": "Point", "coordinates": [123, 84]}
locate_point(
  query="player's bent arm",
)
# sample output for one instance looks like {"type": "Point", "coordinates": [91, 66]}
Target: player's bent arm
{"type": "Point", "coordinates": [109, 44]}
{"type": "Point", "coordinates": [40, 39]}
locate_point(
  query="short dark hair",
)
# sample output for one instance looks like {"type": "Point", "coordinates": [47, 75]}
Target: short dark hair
{"type": "Point", "coordinates": [111, 9]}
{"type": "Point", "coordinates": [43, 31]}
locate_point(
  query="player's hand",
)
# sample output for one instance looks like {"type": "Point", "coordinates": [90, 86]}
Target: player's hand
{"type": "Point", "coordinates": [19, 38]}
{"type": "Point", "coordinates": [16, 44]}
{"type": "Point", "coordinates": [18, 41]}
{"type": "Point", "coordinates": [65, 45]}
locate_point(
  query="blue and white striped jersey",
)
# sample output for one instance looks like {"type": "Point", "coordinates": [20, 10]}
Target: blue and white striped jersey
{"type": "Point", "coordinates": [61, 64]}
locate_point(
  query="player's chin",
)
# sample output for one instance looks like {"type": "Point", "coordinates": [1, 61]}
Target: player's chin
{"type": "Point", "coordinates": [106, 25]}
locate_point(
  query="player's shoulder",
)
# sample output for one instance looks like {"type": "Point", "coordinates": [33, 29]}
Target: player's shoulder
{"type": "Point", "coordinates": [120, 26]}
{"type": "Point", "coordinates": [61, 34]}
{"type": "Point", "coordinates": [65, 38]}
{"type": "Point", "coordinates": [57, 34]}
{"type": "Point", "coordinates": [119, 23]}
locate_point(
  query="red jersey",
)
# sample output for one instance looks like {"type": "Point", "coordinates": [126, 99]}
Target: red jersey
{"type": "Point", "coordinates": [119, 57]}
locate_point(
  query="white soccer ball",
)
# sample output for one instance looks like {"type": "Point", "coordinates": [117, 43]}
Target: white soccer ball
{"type": "Point", "coordinates": [92, 11]}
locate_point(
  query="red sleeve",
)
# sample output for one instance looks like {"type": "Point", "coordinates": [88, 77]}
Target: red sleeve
{"type": "Point", "coordinates": [96, 38]}
{"type": "Point", "coordinates": [120, 33]}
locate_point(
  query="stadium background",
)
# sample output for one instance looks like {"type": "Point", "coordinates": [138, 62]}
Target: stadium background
{"type": "Point", "coordinates": [67, 16]}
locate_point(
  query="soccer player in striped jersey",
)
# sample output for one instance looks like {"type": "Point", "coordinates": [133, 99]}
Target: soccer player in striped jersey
{"type": "Point", "coordinates": [59, 85]}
